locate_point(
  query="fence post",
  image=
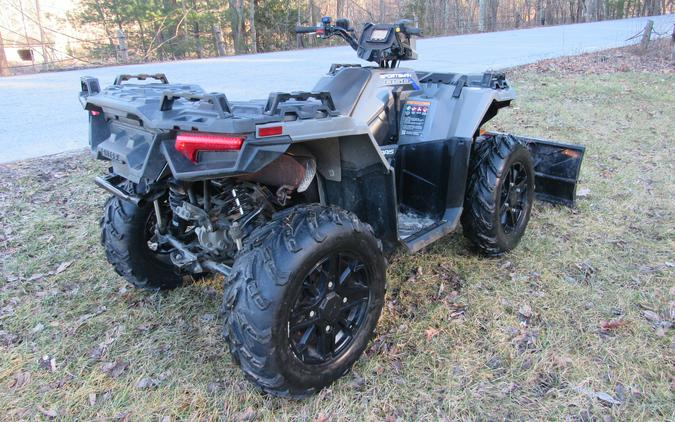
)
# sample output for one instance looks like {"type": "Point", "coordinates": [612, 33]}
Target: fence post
{"type": "Point", "coordinates": [4, 67]}
{"type": "Point", "coordinates": [122, 49]}
{"type": "Point", "coordinates": [646, 34]}
{"type": "Point", "coordinates": [218, 36]}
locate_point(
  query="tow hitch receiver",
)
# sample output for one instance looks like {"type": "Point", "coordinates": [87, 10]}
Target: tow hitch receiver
{"type": "Point", "coordinates": [556, 167]}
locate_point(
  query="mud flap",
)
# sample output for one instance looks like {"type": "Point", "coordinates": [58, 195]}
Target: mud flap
{"type": "Point", "coordinates": [556, 166]}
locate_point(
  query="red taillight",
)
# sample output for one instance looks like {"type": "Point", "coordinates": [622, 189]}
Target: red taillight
{"type": "Point", "coordinates": [95, 113]}
{"type": "Point", "coordinates": [270, 131]}
{"type": "Point", "coordinates": [189, 144]}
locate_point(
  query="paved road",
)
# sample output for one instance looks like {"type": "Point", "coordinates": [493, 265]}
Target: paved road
{"type": "Point", "coordinates": [40, 114]}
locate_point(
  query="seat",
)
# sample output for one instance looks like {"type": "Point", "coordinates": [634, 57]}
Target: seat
{"type": "Point", "coordinates": [345, 87]}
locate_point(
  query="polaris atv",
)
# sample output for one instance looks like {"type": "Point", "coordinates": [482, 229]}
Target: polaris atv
{"type": "Point", "coordinates": [298, 198]}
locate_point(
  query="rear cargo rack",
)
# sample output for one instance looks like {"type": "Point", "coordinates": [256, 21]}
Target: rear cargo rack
{"type": "Point", "coordinates": [141, 77]}
{"type": "Point", "coordinates": [277, 98]}
{"type": "Point", "coordinates": [219, 101]}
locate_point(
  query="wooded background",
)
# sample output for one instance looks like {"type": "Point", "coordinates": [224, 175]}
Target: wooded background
{"type": "Point", "coordinates": [111, 31]}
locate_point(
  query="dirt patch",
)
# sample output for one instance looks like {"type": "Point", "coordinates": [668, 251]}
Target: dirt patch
{"type": "Point", "coordinates": [624, 59]}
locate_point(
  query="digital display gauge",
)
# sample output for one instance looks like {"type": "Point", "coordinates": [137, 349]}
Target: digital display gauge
{"type": "Point", "coordinates": [379, 35]}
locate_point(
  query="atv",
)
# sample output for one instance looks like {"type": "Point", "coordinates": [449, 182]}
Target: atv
{"type": "Point", "coordinates": [297, 199]}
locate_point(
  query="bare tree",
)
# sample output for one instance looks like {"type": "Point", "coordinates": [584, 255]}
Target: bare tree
{"type": "Point", "coordinates": [237, 24]}
{"type": "Point", "coordinates": [340, 9]}
{"type": "Point", "coordinates": [483, 15]}
{"type": "Point", "coordinates": [254, 35]}
{"type": "Point", "coordinates": [4, 67]}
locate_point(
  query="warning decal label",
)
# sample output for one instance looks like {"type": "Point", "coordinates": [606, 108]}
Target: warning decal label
{"type": "Point", "coordinates": [414, 116]}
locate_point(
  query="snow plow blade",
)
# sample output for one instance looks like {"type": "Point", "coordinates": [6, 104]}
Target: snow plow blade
{"type": "Point", "coordinates": [556, 166]}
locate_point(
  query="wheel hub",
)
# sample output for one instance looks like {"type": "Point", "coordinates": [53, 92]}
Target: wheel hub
{"type": "Point", "coordinates": [514, 198]}
{"type": "Point", "coordinates": [330, 306]}
{"type": "Point", "coordinates": [330, 309]}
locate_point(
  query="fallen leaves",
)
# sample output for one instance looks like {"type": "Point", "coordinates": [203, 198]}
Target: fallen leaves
{"type": "Point", "coordinates": [431, 333]}
{"type": "Point", "coordinates": [600, 395]}
{"type": "Point", "coordinates": [525, 311]}
{"type": "Point", "coordinates": [50, 413]}
{"type": "Point", "coordinates": [145, 383]}
{"type": "Point", "coordinates": [62, 267]}
{"type": "Point", "coordinates": [98, 351]}
{"type": "Point", "coordinates": [20, 380]}
{"type": "Point", "coordinates": [247, 415]}
{"type": "Point", "coordinates": [48, 362]}
{"type": "Point", "coordinates": [583, 192]}
{"type": "Point", "coordinates": [651, 316]}
{"type": "Point", "coordinates": [608, 326]}
{"type": "Point", "coordinates": [116, 368]}
{"type": "Point", "coordinates": [84, 318]}
{"type": "Point", "coordinates": [450, 276]}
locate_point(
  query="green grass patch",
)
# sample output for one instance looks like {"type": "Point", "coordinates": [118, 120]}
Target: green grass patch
{"type": "Point", "coordinates": [574, 324]}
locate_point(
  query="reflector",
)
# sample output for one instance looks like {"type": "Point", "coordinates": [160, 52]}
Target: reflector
{"type": "Point", "coordinates": [270, 131]}
{"type": "Point", "coordinates": [189, 144]}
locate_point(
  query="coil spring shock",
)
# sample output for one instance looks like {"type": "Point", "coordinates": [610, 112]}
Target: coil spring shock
{"type": "Point", "coordinates": [177, 195]}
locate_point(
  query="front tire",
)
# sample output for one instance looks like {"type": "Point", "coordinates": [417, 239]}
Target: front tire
{"type": "Point", "coordinates": [303, 300]}
{"type": "Point", "coordinates": [499, 194]}
{"type": "Point", "coordinates": [126, 231]}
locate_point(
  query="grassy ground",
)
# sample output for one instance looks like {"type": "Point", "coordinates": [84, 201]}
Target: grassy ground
{"type": "Point", "coordinates": [575, 324]}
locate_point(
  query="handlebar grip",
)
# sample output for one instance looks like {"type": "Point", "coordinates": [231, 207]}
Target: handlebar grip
{"type": "Point", "coordinates": [305, 29]}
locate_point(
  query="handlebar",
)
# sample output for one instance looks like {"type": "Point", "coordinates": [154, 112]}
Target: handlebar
{"type": "Point", "coordinates": [326, 30]}
{"type": "Point", "coordinates": [305, 29]}
{"type": "Point", "coordinates": [342, 29]}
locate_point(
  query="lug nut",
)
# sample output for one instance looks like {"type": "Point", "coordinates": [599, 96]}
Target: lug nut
{"type": "Point", "coordinates": [312, 313]}
{"type": "Point", "coordinates": [344, 300]}
{"type": "Point", "coordinates": [327, 328]}
{"type": "Point", "coordinates": [330, 284]}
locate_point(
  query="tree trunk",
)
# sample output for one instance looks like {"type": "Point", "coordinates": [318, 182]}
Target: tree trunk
{"type": "Point", "coordinates": [123, 51]}
{"type": "Point", "coordinates": [483, 15]}
{"type": "Point", "coordinates": [340, 9]}
{"type": "Point", "coordinates": [43, 41]}
{"type": "Point", "coordinates": [494, 6]}
{"type": "Point", "coordinates": [541, 12]}
{"type": "Point", "coordinates": [198, 40]}
{"type": "Point", "coordinates": [254, 35]}
{"type": "Point", "coordinates": [4, 67]}
{"type": "Point", "coordinates": [237, 25]}
{"type": "Point", "coordinates": [383, 11]}
{"type": "Point", "coordinates": [218, 39]}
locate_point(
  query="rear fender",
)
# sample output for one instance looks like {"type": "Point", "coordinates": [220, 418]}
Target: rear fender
{"type": "Point", "coordinates": [355, 176]}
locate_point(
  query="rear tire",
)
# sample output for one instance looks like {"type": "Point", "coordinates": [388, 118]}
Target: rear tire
{"type": "Point", "coordinates": [499, 194]}
{"type": "Point", "coordinates": [124, 236]}
{"type": "Point", "coordinates": [303, 299]}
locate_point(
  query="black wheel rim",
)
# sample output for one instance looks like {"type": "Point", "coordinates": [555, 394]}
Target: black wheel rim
{"type": "Point", "coordinates": [514, 201]}
{"type": "Point", "coordinates": [330, 310]}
